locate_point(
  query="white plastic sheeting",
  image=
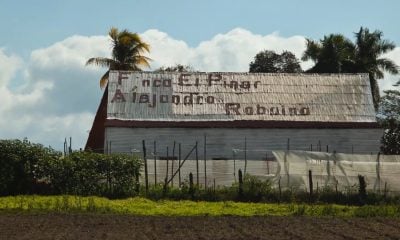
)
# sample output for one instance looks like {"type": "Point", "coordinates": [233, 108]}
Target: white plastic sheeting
{"type": "Point", "coordinates": [149, 96]}
{"type": "Point", "coordinates": [337, 169]}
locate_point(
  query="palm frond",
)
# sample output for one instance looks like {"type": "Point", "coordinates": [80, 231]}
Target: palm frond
{"type": "Point", "coordinates": [143, 61]}
{"type": "Point", "coordinates": [312, 50]}
{"type": "Point", "coordinates": [113, 33]}
{"type": "Point", "coordinates": [388, 65]}
{"type": "Point", "coordinates": [100, 61]}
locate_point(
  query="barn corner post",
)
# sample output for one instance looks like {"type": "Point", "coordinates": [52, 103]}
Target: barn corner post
{"type": "Point", "coordinates": [146, 176]}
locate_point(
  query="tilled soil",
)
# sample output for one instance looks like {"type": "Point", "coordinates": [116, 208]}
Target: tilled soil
{"type": "Point", "coordinates": [98, 226]}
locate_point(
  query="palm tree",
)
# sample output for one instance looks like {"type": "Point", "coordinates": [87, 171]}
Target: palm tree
{"type": "Point", "coordinates": [333, 54]}
{"type": "Point", "coordinates": [127, 54]}
{"type": "Point", "coordinates": [369, 48]}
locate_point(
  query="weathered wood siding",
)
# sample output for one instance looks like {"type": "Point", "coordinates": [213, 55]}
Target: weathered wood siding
{"type": "Point", "coordinates": [222, 141]}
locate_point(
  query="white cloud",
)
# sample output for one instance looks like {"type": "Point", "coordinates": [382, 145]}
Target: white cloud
{"type": "Point", "coordinates": [389, 80]}
{"type": "Point", "coordinates": [8, 67]}
{"type": "Point", "coordinates": [57, 95]}
{"type": "Point", "coordinates": [232, 51]}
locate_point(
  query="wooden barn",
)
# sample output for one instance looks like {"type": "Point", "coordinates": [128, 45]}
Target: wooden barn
{"type": "Point", "coordinates": [230, 112]}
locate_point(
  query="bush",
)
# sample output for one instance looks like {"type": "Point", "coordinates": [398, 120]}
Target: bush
{"type": "Point", "coordinates": [18, 165]}
{"type": "Point", "coordinates": [29, 168]}
{"type": "Point", "coordinates": [255, 190]}
{"type": "Point", "coordinates": [88, 173]}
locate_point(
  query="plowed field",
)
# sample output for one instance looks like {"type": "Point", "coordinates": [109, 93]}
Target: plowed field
{"type": "Point", "coordinates": [98, 226]}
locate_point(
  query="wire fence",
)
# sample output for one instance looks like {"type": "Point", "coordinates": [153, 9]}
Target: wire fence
{"type": "Point", "coordinates": [290, 168]}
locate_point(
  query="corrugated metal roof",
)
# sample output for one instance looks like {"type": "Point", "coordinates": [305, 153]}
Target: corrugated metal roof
{"type": "Point", "coordinates": [148, 96]}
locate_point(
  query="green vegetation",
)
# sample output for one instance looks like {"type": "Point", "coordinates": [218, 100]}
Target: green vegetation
{"type": "Point", "coordinates": [252, 189]}
{"type": "Point", "coordinates": [142, 206]}
{"type": "Point", "coordinates": [389, 118]}
{"type": "Point", "coordinates": [270, 62]}
{"type": "Point", "coordinates": [29, 168]}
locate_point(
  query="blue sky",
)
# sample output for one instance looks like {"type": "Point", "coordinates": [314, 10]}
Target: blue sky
{"type": "Point", "coordinates": [29, 25]}
{"type": "Point", "coordinates": [47, 93]}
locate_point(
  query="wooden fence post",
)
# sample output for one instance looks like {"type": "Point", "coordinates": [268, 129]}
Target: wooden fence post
{"type": "Point", "coordinates": [146, 177]}
{"type": "Point", "coordinates": [155, 163]}
{"type": "Point", "coordinates": [166, 175]}
{"type": "Point", "coordinates": [245, 155]}
{"type": "Point", "coordinates": [280, 189]}
{"type": "Point", "coordinates": [197, 164]}
{"type": "Point", "coordinates": [240, 184]}
{"type": "Point", "coordinates": [205, 161]}
{"type": "Point", "coordinates": [310, 182]}
{"type": "Point", "coordinates": [179, 162]}
{"type": "Point", "coordinates": [172, 165]}
{"type": "Point", "coordinates": [191, 188]}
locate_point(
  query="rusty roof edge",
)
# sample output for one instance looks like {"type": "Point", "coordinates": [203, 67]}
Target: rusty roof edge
{"type": "Point", "coordinates": [237, 124]}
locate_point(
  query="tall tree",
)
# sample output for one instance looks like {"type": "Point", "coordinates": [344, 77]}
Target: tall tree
{"type": "Point", "coordinates": [337, 54]}
{"type": "Point", "coordinates": [332, 54]}
{"type": "Point", "coordinates": [389, 117]}
{"type": "Point", "coordinates": [270, 62]}
{"type": "Point", "coordinates": [390, 105]}
{"type": "Point", "coordinates": [369, 48]}
{"type": "Point", "coordinates": [176, 68]}
{"type": "Point", "coordinates": [127, 54]}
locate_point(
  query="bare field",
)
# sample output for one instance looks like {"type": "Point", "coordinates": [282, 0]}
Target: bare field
{"type": "Point", "coordinates": [99, 226]}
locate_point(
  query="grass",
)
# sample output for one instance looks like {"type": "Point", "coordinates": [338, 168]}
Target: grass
{"type": "Point", "coordinates": [146, 207]}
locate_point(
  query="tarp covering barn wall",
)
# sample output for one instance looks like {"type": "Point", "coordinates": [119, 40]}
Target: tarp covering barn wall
{"type": "Point", "coordinates": [331, 169]}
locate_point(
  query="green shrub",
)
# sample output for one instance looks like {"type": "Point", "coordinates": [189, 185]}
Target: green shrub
{"type": "Point", "coordinates": [88, 173]}
{"type": "Point", "coordinates": [255, 189]}
{"type": "Point", "coordinates": [18, 166]}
